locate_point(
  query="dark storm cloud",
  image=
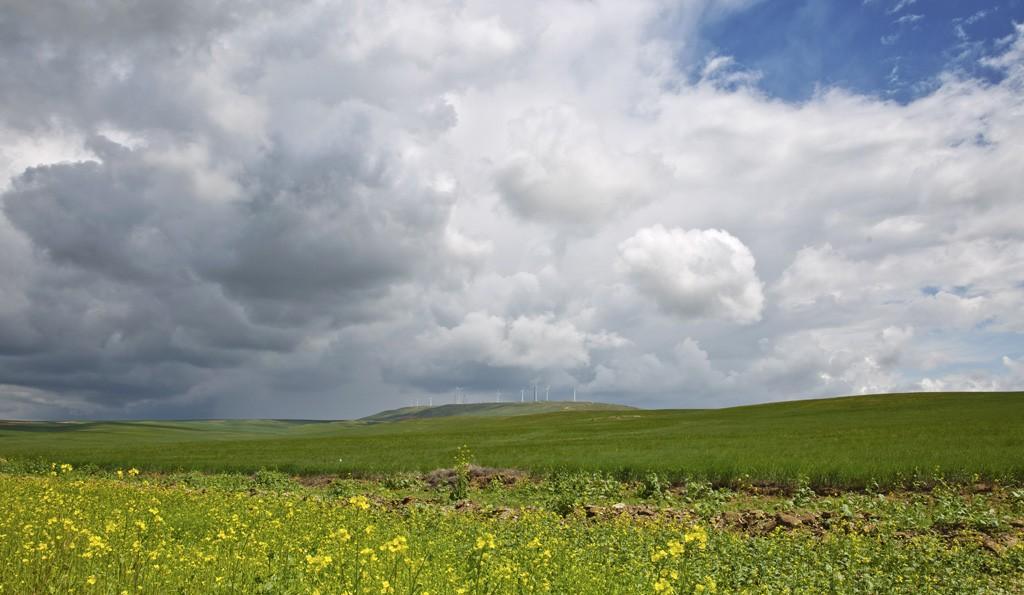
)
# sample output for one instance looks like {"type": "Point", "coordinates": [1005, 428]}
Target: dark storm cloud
{"type": "Point", "coordinates": [104, 217]}
{"type": "Point", "coordinates": [315, 228]}
{"type": "Point", "coordinates": [80, 63]}
{"type": "Point", "coordinates": [143, 279]}
{"type": "Point", "coordinates": [172, 284]}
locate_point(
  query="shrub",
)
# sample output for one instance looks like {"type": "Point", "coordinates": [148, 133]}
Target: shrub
{"type": "Point", "coordinates": [564, 492]}
{"type": "Point", "coordinates": [266, 479]}
{"type": "Point", "coordinates": [651, 487]}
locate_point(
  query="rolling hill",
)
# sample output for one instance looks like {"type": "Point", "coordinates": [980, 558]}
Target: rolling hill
{"type": "Point", "coordinates": [491, 410]}
{"type": "Point", "coordinates": [842, 441]}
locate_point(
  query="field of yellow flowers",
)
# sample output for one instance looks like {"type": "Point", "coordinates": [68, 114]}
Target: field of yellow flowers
{"type": "Point", "coordinates": [65, 532]}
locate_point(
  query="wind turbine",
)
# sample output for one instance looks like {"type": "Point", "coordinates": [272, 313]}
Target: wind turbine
{"type": "Point", "coordinates": [522, 395]}
{"type": "Point", "coordinates": [547, 393]}
{"type": "Point", "coordinates": [574, 393]}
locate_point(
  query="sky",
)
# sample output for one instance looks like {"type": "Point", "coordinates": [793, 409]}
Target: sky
{"type": "Point", "coordinates": [270, 209]}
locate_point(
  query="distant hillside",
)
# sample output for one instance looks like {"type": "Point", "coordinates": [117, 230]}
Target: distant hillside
{"type": "Point", "coordinates": [848, 442]}
{"type": "Point", "coordinates": [491, 410]}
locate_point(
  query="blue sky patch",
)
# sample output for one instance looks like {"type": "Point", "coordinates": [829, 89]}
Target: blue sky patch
{"type": "Point", "coordinates": [892, 49]}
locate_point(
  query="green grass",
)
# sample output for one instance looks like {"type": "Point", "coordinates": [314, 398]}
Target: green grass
{"type": "Point", "coordinates": [844, 442]}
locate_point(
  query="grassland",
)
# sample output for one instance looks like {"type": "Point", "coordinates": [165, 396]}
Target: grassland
{"type": "Point", "coordinates": [847, 442]}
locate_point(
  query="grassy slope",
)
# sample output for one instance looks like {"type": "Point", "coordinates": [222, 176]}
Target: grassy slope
{"type": "Point", "coordinates": [491, 410]}
{"type": "Point", "coordinates": [839, 441]}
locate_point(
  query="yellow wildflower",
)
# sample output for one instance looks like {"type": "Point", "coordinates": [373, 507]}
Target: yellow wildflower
{"type": "Point", "coordinates": [485, 542]}
{"type": "Point", "coordinates": [675, 548]}
{"type": "Point", "coordinates": [697, 534]}
{"type": "Point", "coordinates": [396, 545]}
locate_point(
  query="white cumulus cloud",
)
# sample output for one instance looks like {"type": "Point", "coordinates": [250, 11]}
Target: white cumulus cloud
{"type": "Point", "coordinates": [694, 273]}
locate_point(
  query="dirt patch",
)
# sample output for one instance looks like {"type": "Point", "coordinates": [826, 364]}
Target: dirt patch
{"type": "Point", "coordinates": [315, 481]}
{"type": "Point", "coordinates": [635, 511]}
{"type": "Point", "coordinates": [759, 522]}
{"type": "Point", "coordinates": [478, 476]}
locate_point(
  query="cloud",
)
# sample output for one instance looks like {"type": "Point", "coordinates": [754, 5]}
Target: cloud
{"type": "Point", "coordinates": [1011, 61]}
{"type": "Point", "coordinates": [908, 19]}
{"type": "Point", "coordinates": [525, 347]}
{"type": "Point", "coordinates": [535, 342]}
{"type": "Point", "coordinates": [686, 368]}
{"type": "Point", "coordinates": [822, 274]}
{"type": "Point", "coordinates": [694, 273]}
{"type": "Point", "coordinates": [834, 361]}
{"type": "Point", "coordinates": [1010, 378]}
{"type": "Point", "coordinates": [327, 209]}
{"type": "Point", "coordinates": [910, 285]}
{"type": "Point", "coordinates": [723, 73]}
{"type": "Point", "coordinates": [900, 5]}
{"type": "Point", "coordinates": [561, 170]}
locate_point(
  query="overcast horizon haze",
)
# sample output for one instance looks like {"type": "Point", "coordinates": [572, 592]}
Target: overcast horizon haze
{"type": "Point", "coordinates": [322, 210]}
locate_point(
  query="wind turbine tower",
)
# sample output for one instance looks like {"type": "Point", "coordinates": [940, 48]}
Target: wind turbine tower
{"type": "Point", "coordinates": [574, 393]}
{"type": "Point", "coordinates": [522, 395]}
{"type": "Point", "coordinates": [547, 393]}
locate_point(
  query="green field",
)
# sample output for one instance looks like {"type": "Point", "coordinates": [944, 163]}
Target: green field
{"type": "Point", "coordinates": [619, 500]}
{"type": "Point", "coordinates": [845, 442]}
